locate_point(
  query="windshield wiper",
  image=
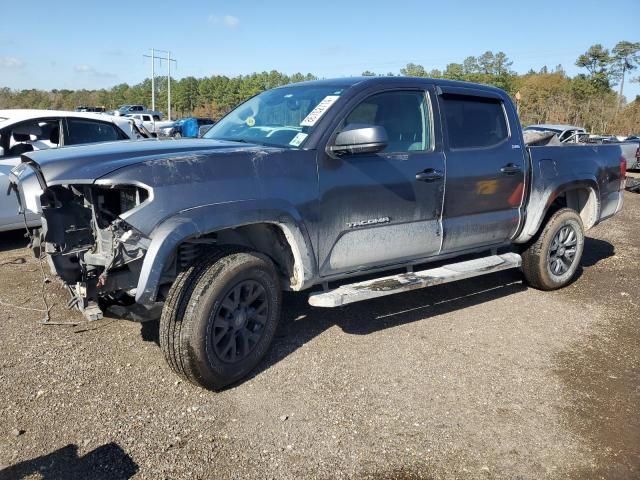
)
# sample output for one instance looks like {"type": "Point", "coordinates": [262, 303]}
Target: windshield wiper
{"type": "Point", "coordinates": [239, 140]}
{"type": "Point", "coordinates": [253, 142]}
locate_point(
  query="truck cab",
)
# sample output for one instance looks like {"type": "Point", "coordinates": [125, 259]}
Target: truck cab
{"type": "Point", "coordinates": [148, 120]}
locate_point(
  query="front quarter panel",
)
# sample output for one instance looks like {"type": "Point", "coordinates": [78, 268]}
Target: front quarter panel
{"type": "Point", "coordinates": [196, 194]}
{"type": "Point", "coordinates": [190, 181]}
{"type": "Point", "coordinates": [199, 221]}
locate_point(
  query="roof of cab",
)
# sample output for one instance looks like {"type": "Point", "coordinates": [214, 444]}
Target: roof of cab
{"type": "Point", "coordinates": [353, 81]}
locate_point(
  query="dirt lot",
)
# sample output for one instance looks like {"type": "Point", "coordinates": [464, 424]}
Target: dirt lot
{"type": "Point", "coordinates": [481, 379]}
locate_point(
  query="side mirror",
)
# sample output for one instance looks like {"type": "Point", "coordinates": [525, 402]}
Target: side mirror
{"type": "Point", "coordinates": [360, 138]}
{"type": "Point", "coordinates": [203, 130]}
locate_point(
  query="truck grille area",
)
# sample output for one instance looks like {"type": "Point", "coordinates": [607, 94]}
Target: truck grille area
{"type": "Point", "coordinates": [86, 243]}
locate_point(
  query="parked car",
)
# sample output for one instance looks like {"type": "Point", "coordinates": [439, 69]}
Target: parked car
{"type": "Point", "coordinates": [630, 148]}
{"type": "Point", "coordinates": [170, 129]}
{"type": "Point", "coordinates": [139, 109]}
{"type": "Point", "coordinates": [23, 131]}
{"type": "Point", "coordinates": [564, 133]}
{"type": "Point", "coordinates": [305, 185]}
{"type": "Point", "coordinates": [634, 164]}
{"type": "Point", "coordinates": [150, 122]}
{"type": "Point", "coordinates": [567, 134]}
{"type": "Point", "coordinates": [187, 127]}
{"type": "Point", "coordinates": [84, 108]}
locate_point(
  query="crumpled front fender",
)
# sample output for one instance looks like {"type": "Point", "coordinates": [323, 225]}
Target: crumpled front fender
{"type": "Point", "coordinates": [196, 222]}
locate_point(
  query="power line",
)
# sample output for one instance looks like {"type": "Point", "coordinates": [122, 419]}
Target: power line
{"type": "Point", "coordinates": [168, 59]}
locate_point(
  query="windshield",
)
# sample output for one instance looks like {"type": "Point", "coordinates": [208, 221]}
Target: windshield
{"type": "Point", "coordinates": [282, 117]}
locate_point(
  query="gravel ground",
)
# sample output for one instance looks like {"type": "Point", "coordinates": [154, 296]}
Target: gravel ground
{"type": "Point", "coordinates": [481, 379]}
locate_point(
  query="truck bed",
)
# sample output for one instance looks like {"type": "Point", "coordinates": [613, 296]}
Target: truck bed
{"type": "Point", "coordinates": [556, 167]}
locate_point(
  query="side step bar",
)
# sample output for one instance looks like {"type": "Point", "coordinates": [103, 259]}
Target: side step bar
{"type": "Point", "coordinates": [380, 287]}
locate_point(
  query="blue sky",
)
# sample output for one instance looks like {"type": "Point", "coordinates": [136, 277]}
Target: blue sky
{"type": "Point", "coordinates": [86, 44]}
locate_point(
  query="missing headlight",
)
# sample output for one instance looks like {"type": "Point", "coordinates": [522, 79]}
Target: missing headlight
{"type": "Point", "coordinates": [110, 202]}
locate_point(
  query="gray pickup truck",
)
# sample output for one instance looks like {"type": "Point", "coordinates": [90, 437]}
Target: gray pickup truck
{"type": "Point", "coordinates": [311, 185]}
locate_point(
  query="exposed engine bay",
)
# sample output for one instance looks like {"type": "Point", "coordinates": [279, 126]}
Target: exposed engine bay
{"type": "Point", "coordinates": [89, 246]}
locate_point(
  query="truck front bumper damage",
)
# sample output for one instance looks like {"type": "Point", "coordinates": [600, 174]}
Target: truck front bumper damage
{"type": "Point", "coordinates": [95, 252]}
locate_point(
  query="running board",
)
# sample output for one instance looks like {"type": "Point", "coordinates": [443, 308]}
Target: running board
{"type": "Point", "coordinates": [380, 287]}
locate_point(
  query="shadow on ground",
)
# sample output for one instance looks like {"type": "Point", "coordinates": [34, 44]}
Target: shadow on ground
{"type": "Point", "coordinates": [595, 251]}
{"type": "Point", "coordinates": [13, 240]}
{"type": "Point", "coordinates": [301, 323]}
{"type": "Point", "coordinates": [107, 462]}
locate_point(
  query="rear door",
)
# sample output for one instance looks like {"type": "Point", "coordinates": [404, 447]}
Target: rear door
{"type": "Point", "coordinates": [83, 130]}
{"type": "Point", "coordinates": [485, 168]}
{"type": "Point", "coordinates": [16, 139]}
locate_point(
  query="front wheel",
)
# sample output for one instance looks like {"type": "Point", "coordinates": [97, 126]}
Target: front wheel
{"type": "Point", "coordinates": [220, 317]}
{"type": "Point", "coordinates": [551, 260]}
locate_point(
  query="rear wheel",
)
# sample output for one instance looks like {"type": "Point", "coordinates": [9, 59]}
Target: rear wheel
{"type": "Point", "coordinates": [220, 318]}
{"type": "Point", "coordinates": [551, 260]}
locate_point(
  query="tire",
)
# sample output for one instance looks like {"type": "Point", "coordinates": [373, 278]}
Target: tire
{"type": "Point", "coordinates": [211, 331]}
{"type": "Point", "coordinates": [551, 260]}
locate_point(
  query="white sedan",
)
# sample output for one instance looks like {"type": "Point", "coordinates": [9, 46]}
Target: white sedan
{"type": "Point", "coordinates": [23, 131]}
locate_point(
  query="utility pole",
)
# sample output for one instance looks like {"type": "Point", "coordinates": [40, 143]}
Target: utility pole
{"type": "Point", "coordinates": [169, 86]}
{"type": "Point", "coordinates": [153, 80]}
{"type": "Point", "coordinates": [153, 77]}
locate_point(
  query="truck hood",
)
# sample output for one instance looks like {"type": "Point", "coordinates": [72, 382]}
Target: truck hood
{"type": "Point", "coordinates": [87, 163]}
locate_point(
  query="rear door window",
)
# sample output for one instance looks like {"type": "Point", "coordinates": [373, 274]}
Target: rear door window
{"type": "Point", "coordinates": [81, 130]}
{"type": "Point", "coordinates": [474, 122]}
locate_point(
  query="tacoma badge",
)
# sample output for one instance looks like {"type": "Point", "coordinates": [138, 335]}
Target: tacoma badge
{"type": "Point", "coordinates": [371, 221]}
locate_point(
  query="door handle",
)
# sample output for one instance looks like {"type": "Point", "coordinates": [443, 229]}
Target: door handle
{"type": "Point", "coordinates": [429, 175]}
{"type": "Point", "coordinates": [510, 169]}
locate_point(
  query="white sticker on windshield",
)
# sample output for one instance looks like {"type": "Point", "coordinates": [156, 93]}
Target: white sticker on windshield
{"type": "Point", "coordinates": [320, 109]}
{"type": "Point", "coordinates": [298, 139]}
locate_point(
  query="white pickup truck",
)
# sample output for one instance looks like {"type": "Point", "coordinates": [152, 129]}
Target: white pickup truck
{"type": "Point", "coordinates": [151, 122]}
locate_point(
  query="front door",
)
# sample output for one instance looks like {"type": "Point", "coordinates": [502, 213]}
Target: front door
{"type": "Point", "coordinates": [383, 208]}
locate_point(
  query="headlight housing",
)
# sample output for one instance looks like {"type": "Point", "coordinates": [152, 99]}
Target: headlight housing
{"type": "Point", "coordinates": [113, 201]}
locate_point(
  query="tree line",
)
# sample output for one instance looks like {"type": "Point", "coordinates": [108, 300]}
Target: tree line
{"type": "Point", "coordinates": [593, 99]}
